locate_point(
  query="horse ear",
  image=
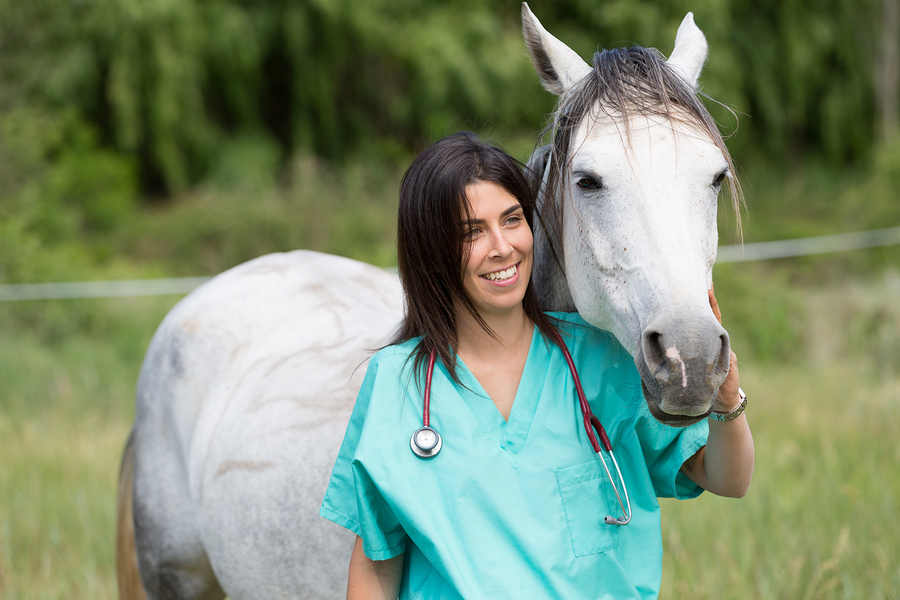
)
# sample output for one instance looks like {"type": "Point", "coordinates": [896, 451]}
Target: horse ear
{"type": "Point", "coordinates": [690, 51]}
{"type": "Point", "coordinates": [559, 66]}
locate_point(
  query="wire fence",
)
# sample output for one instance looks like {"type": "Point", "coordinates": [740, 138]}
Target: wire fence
{"type": "Point", "coordinates": [857, 240]}
{"type": "Point", "coordinates": [183, 285]}
{"type": "Point", "coordinates": [123, 288]}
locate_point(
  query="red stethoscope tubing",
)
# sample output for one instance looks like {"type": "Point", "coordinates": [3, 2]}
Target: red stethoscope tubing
{"type": "Point", "coordinates": [426, 417]}
{"type": "Point", "coordinates": [591, 423]}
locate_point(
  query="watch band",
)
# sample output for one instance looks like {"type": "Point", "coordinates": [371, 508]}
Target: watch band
{"type": "Point", "coordinates": [730, 416]}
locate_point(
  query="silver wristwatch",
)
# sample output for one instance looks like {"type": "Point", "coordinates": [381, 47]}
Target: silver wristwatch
{"type": "Point", "coordinates": [730, 416]}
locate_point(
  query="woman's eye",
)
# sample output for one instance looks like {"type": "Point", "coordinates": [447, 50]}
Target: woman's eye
{"type": "Point", "coordinates": [513, 220]}
{"type": "Point", "coordinates": [589, 183]}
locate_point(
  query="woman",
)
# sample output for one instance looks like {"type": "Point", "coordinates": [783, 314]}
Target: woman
{"type": "Point", "coordinates": [513, 504]}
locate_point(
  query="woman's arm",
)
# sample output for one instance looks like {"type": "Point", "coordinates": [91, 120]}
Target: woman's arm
{"type": "Point", "coordinates": [725, 465]}
{"type": "Point", "coordinates": [373, 579]}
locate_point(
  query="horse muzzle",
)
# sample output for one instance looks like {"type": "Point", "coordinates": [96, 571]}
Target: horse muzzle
{"type": "Point", "coordinates": [682, 364]}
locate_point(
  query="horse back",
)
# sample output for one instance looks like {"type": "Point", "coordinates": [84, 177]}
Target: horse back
{"type": "Point", "coordinates": [242, 402]}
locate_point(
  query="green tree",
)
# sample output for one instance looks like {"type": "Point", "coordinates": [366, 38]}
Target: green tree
{"type": "Point", "coordinates": [169, 82]}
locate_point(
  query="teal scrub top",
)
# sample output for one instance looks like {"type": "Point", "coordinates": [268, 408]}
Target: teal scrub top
{"type": "Point", "coordinates": [511, 509]}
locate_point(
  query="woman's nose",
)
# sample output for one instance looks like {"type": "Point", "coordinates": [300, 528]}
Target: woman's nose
{"type": "Point", "coordinates": [500, 245]}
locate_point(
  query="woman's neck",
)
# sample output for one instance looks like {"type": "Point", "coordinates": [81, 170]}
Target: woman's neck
{"type": "Point", "coordinates": [512, 332]}
{"type": "Point", "coordinates": [497, 361]}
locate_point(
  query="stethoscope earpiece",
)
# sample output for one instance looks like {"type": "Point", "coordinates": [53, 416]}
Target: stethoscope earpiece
{"type": "Point", "coordinates": [425, 442]}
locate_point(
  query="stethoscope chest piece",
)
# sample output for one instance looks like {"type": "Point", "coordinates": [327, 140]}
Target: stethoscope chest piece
{"type": "Point", "coordinates": [425, 442]}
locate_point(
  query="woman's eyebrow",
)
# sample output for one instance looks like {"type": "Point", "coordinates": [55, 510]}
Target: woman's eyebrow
{"type": "Point", "coordinates": [511, 210]}
{"type": "Point", "coordinates": [505, 213]}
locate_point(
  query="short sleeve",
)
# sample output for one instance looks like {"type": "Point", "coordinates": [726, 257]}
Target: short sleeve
{"type": "Point", "coordinates": [665, 449]}
{"type": "Point", "coordinates": [383, 536]}
{"type": "Point", "coordinates": [352, 499]}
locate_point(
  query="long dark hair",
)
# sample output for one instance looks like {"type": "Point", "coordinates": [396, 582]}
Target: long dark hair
{"type": "Point", "coordinates": [430, 244]}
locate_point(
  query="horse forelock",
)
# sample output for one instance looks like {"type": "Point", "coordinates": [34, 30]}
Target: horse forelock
{"type": "Point", "coordinates": [624, 83]}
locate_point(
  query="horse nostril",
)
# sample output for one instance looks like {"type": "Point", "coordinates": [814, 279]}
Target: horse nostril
{"type": "Point", "coordinates": [654, 353]}
{"type": "Point", "coordinates": [724, 361]}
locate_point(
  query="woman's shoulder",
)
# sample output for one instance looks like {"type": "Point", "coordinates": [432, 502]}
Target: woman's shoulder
{"type": "Point", "coordinates": [395, 356]}
{"type": "Point", "coordinates": [388, 375]}
{"type": "Point", "coordinates": [567, 318]}
{"type": "Point", "coordinates": [400, 349]}
{"type": "Point", "coordinates": [591, 346]}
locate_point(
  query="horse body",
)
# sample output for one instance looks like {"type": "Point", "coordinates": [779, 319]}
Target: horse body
{"type": "Point", "coordinates": [248, 383]}
{"type": "Point", "coordinates": [242, 402]}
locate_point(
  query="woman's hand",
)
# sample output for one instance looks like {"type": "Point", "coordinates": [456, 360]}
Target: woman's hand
{"type": "Point", "coordinates": [724, 466]}
{"type": "Point", "coordinates": [729, 398]}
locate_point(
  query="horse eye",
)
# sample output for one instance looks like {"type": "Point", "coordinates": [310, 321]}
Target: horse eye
{"type": "Point", "coordinates": [717, 182]}
{"type": "Point", "coordinates": [589, 183]}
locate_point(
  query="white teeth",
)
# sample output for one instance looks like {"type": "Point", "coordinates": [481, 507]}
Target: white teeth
{"type": "Point", "coordinates": [501, 275]}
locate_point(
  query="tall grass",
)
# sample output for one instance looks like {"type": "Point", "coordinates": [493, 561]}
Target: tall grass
{"type": "Point", "coordinates": [66, 404]}
{"type": "Point", "coordinates": [822, 518]}
{"type": "Point", "coordinates": [348, 210]}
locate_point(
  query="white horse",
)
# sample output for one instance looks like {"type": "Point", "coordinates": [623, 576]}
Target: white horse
{"type": "Point", "coordinates": [249, 381]}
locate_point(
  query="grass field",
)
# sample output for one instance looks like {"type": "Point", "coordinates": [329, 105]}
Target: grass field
{"type": "Point", "coordinates": [821, 518]}
{"type": "Point", "coordinates": [66, 404]}
{"type": "Point", "coordinates": [820, 522]}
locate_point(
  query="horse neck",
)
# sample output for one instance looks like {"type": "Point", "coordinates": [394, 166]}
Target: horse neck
{"type": "Point", "coordinates": [550, 281]}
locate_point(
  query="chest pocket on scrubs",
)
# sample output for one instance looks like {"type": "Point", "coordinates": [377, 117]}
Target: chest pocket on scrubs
{"type": "Point", "coordinates": [587, 497]}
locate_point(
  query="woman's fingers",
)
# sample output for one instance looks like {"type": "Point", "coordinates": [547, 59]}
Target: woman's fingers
{"type": "Point", "coordinates": [729, 398]}
{"type": "Point", "coordinates": [714, 304]}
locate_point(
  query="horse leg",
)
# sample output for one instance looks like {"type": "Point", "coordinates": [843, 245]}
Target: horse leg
{"type": "Point", "coordinates": [172, 560]}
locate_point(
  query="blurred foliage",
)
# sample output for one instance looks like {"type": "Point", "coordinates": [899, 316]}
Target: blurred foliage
{"type": "Point", "coordinates": [761, 311]}
{"type": "Point", "coordinates": [166, 82]}
{"type": "Point", "coordinates": [347, 210]}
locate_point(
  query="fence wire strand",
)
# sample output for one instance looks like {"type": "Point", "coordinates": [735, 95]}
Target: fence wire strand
{"type": "Point", "coordinates": [183, 285]}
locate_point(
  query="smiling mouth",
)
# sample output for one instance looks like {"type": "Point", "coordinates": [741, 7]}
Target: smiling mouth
{"type": "Point", "coordinates": [501, 275]}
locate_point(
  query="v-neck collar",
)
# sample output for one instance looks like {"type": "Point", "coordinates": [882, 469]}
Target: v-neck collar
{"type": "Point", "coordinates": [512, 434]}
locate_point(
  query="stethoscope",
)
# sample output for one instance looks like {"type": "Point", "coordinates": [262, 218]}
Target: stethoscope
{"type": "Point", "coordinates": [426, 442]}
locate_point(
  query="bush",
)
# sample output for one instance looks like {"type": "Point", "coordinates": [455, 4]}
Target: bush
{"type": "Point", "coordinates": [59, 182]}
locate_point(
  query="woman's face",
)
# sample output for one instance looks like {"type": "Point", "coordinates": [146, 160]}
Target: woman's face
{"type": "Point", "coordinates": [499, 245]}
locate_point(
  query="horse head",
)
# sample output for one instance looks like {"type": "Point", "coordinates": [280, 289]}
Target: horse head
{"type": "Point", "coordinates": [627, 232]}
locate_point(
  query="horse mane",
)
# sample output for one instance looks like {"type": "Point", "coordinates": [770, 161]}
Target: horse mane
{"type": "Point", "coordinates": [624, 82]}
